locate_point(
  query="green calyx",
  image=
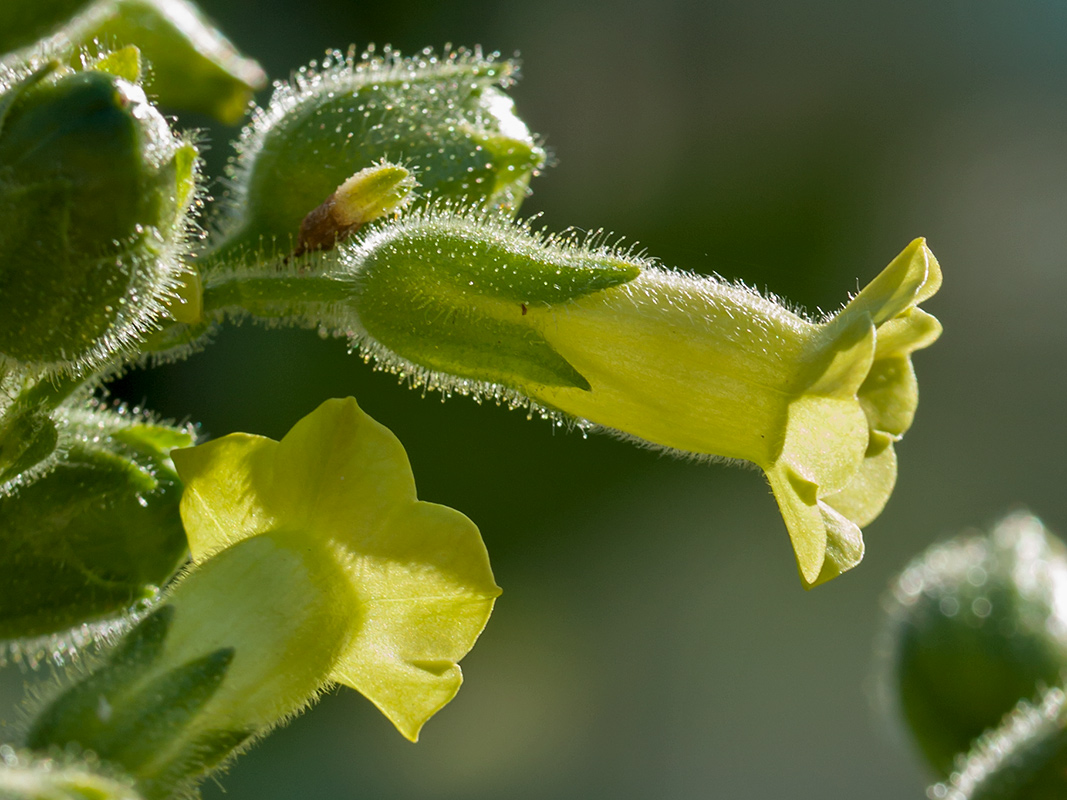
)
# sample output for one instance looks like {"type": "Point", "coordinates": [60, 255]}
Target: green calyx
{"type": "Point", "coordinates": [94, 191]}
{"type": "Point", "coordinates": [444, 118]}
{"type": "Point", "coordinates": [453, 294]}
{"type": "Point", "coordinates": [95, 530]}
{"type": "Point", "coordinates": [140, 713]}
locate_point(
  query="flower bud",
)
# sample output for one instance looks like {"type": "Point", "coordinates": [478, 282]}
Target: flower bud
{"type": "Point", "coordinates": [96, 533]}
{"type": "Point", "coordinates": [976, 624]}
{"type": "Point", "coordinates": [471, 303]}
{"type": "Point", "coordinates": [94, 190]}
{"type": "Point", "coordinates": [194, 67]}
{"type": "Point", "coordinates": [445, 118]}
{"type": "Point", "coordinates": [369, 194]}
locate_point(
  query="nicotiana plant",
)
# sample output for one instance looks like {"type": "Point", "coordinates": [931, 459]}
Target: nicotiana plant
{"type": "Point", "coordinates": [225, 585]}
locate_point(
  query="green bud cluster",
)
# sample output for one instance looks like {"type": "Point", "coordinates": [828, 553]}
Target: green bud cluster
{"type": "Point", "coordinates": [94, 191]}
{"type": "Point", "coordinates": [976, 624]}
{"type": "Point", "coordinates": [443, 117]}
{"type": "Point", "coordinates": [372, 198]}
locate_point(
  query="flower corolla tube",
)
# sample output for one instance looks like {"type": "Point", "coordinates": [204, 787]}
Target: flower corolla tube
{"type": "Point", "coordinates": [474, 304]}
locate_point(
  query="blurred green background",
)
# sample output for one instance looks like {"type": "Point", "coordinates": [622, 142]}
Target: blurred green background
{"type": "Point", "coordinates": [653, 639]}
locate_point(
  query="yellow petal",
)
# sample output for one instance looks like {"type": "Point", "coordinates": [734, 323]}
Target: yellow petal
{"type": "Point", "coordinates": [422, 610]}
{"type": "Point", "coordinates": [338, 467]}
{"type": "Point", "coordinates": [868, 491]}
{"type": "Point", "coordinates": [227, 483]}
{"type": "Point", "coordinates": [413, 580]}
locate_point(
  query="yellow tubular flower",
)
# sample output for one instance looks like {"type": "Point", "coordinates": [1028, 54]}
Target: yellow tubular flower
{"type": "Point", "coordinates": [711, 369]}
{"type": "Point", "coordinates": [474, 305]}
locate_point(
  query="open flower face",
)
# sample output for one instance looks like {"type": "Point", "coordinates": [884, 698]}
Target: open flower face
{"type": "Point", "coordinates": [407, 584]}
{"type": "Point", "coordinates": [686, 363]}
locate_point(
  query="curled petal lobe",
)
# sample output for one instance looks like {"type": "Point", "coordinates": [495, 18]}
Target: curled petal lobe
{"type": "Point", "coordinates": [845, 451]}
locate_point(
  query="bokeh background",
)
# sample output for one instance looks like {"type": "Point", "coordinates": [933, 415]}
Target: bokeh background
{"type": "Point", "coordinates": [653, 639]}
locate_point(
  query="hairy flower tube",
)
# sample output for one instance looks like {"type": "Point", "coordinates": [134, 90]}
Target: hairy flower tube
{"type": "Point", "coordinates": [315, 564]}
{"type": "Point", "coordinates": [94, 195]}
{"type": "Point", "coordinates": [471, 303]}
